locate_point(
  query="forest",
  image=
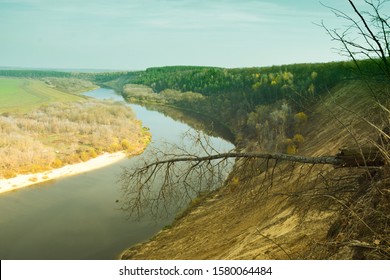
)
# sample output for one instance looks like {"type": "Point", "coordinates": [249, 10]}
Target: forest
{"type": "Point", "coordinates": [267, 104]}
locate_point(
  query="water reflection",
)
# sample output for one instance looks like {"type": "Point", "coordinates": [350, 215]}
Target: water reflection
{"type": "Point", "coordinates": [168, 177]}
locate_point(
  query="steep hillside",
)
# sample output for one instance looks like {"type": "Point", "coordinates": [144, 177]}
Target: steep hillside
{"type": "Point", "coordinates": [297, 211]}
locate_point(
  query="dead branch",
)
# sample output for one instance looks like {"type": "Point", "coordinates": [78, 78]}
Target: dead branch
{"type": "Point", "coordinates": [268, 156]}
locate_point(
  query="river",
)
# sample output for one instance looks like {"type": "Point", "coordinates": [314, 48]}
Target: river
{"type": "Point", "coordinates": [78, 217]}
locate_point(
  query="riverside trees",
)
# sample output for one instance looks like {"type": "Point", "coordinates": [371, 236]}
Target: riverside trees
{"type": "Point", "coordinates": [64, 133]}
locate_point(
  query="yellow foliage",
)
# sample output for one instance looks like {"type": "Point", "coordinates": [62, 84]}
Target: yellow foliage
{"type": "Point", "coordinates": [114, 147]}
{"type": "Point", "coordinates": [300, 117]}
{"type": "Point", "coordinates": [36, 168]}
{"type": "Point", "coordinates": [125, 144]}
{"type": "Point", "coordinates": [92, 153]}
{"type": "Point", "coordinates": [288, 141]}
{"type": "Point", "coordinates": [291, 149]}
{"type": "Point", "coordinates": [256, 85]}
{"type": "Point", "coordinates": [298, 139]}
{"type": "Point", "coordinates": [84, 156]}
{"type": "Point", "coordinates": [300, 120]}
{"type": "Point", "coordinates": [7, 174]}
{"type": "Point", "coordinates": [57, 163]}
{"type": "Point", "coordinates": [73, 158]}
{"type": "Point", "coordinates": [235, 180]}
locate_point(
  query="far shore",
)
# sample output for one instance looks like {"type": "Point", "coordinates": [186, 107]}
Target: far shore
{"type": "Point", "coordinates": [25, 180]}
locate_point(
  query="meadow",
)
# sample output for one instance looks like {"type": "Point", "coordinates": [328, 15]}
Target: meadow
{"type": "Point", "coordinates": [22, 95]}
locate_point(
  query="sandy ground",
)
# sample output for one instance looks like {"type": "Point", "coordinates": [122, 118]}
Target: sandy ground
{"type": "Point", "coordinates": [22, 181]}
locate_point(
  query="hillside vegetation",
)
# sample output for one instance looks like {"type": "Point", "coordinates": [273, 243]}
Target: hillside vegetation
{"type": "Point", "coordinates": [268, 106]}
{"type": "Point", "coordinates": [301, 211]}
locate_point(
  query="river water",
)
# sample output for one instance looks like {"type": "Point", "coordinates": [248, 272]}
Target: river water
{"type": "Point", "coordinates": [78, 217]}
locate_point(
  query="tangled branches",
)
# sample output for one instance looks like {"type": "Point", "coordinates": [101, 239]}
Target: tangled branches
{"type": "Point", "coordinates": [169, 178]}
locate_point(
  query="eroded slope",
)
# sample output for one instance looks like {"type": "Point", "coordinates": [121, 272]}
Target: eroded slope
{"type": "Point", "coordinates": [296, 215]}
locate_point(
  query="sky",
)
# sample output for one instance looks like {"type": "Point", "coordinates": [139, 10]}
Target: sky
{"type": "Point", "coordinates": [136, 34]}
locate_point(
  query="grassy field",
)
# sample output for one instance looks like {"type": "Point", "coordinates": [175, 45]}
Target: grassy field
{"type": "Point", "coordinates": [22, 95]}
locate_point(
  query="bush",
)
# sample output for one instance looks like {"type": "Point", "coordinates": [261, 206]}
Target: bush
{"type": "Point", "coordinates": [300, 121]}
{"type": "Point", "coordinates": [7, 174]}
{"type": "Point", "coordinates": [298, 139]}
{"type": "Point", "coordinates": [291, 149]}
{"type": "Point", "coordinates": [57, 163]}
{"type": "Point", "coordinates": [92, 153]}
{"type": "Point", "coordinates": [84, 156]}
{"type": "Point", "coordinates": [125, 144]}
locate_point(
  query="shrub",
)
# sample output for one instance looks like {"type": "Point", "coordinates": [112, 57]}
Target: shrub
{"type": "Point", "coordinates": [298, 139]}
{"type": "Point", "coordinates": [300, 117]}
{"type": "Point", "coordinates": [84, 156]}
{"type": "Point", "coordinates": [125, 144]}
{"type": "Point", "coordinates": [92, 153]}
{"type": "Point", "coordinates": [300, 121]}
{"type": "Point", "coordinates": [7, 174]}
{"type": "Point", "coordinates": [114, 147]}
{"type": "Point", "coordinates": [57, 163]}
{"type": "Point", "coordinates": [291, 149]}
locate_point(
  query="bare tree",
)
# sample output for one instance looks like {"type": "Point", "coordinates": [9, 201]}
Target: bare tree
{"type": "Point", "coordinates": [362, 223]}
{"type": "Point", "coordinates": [366, 34]}
{"type": "Point", "coordinates": [168, 178]}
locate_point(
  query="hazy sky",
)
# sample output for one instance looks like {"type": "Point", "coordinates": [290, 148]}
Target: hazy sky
{"type": "Point", "coordinates": [135, 34]}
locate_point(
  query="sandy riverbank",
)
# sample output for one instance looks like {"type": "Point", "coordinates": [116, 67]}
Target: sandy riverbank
{"type": "Point", "coordinates": [22, 181]}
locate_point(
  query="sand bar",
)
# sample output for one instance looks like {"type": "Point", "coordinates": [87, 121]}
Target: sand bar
{"type": "Point", "coordinates": [22, 181]}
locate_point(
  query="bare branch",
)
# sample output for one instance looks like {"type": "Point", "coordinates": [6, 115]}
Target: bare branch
{"type": "Point", "coordinates": [364, 37]}
{"type": "Point", "coordinates": [383, 55]}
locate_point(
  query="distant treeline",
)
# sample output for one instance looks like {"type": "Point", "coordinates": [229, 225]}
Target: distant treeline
{"type": "Point", "coordinates": [38, 74]}
{"type": "Point", "coordinates": [265, 103]}
{"type": "Point", "coordinates": [260, 84]}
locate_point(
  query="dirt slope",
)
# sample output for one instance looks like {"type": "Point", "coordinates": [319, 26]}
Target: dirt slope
{"type": "Point", "coordinates": [291, 220]}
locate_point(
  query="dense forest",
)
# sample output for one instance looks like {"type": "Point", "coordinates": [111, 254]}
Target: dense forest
{"type": "Point", "coordinates": [267, 104]}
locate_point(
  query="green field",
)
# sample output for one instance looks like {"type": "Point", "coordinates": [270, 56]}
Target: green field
{"type": "Point", "coordinates": [21, 95]}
